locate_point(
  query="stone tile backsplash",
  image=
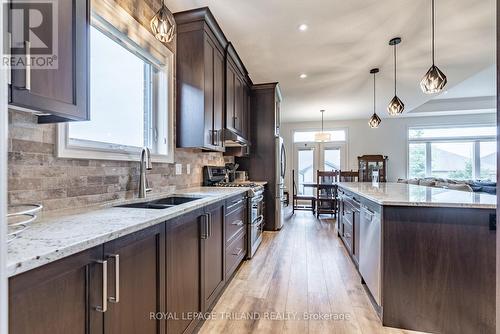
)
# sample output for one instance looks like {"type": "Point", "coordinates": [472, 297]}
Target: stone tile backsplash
{"type": "Point", "coordinates": [36, 175]}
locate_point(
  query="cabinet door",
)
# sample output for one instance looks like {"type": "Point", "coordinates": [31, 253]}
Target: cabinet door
{"type": "Point", "coordinates": [209, 136]}
{"type": "Point", "coordinates": [230, 95]}
{"type": "Point", "coordinates": [213, 248]}
{"type": "Point", "coordinates": [183, 272]}
{"type": "Point", "coordinates": [136, 282]}
{"type": "Point", "coordinates": [63, 91]}
{"type": "Point", "coordinates": [55, 299]}
{"type": "Point", "coordinates": [239, 104]}
{"type": "Point", "coordinates": [218, 116]}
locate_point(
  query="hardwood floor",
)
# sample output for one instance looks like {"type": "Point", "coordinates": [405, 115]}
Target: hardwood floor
{"type": "Point", "coordinates": [301, 270]}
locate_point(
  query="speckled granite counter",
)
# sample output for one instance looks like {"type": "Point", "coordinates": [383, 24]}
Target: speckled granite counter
{"type": "Point", "coordinates": [400, 194]}
{"type": "Point", "coordinates": [56, 236]}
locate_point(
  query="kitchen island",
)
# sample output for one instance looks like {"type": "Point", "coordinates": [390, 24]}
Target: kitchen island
{"type": "Point", "coordinates": [426, 255]}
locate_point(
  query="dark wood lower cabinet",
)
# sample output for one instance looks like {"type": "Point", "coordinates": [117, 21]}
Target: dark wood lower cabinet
{"type": "Point", "coordinates": [176, 269]}
{"type": "Point", "coordinates": [136, 276]}
{"type": "Point", "coordinates": [183, 272]}
{"type": "Point", "coordinates": [213, 249]}
{"type": "Point", "coordinates": [54, 299]}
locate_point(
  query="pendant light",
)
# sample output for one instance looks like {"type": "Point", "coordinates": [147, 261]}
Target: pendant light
{"type": "Point", "coordinates": [434, 80]}
{"type": "Point", "coordinates": [322, 136]}
{"type": "Point", "coordinates": [163, 24]}
{"type": "Point", "coordinates": [374, 121]}
{"type": "Point", "coordinates": [396, 106]}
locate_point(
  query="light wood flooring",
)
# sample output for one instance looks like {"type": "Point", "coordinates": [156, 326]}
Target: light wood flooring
{"type": "Point", "coordinates": [303, 269]}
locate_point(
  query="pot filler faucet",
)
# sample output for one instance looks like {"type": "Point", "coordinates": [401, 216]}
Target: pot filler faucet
{"type": "Point", "coordinates": [145, 165]}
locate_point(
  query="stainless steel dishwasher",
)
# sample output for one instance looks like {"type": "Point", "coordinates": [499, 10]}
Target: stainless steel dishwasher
{"type": "Point", "coordinates": [370, 250]}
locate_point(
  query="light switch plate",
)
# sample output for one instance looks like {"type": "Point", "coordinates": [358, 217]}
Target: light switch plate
{"type": "Point", "coordinates": [188, 169]}
{"type": "Point", "coordinates": [178, 169]}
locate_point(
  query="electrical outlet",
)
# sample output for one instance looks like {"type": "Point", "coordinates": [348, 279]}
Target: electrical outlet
{"type": "Point", "coordinates": [188, 169]}
{"type": "Point", "coordinates": [178, 169]}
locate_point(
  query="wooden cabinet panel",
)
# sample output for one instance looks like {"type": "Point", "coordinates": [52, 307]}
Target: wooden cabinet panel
{"type": "Point", "coordinates": [139, 283]}
{"type": "Point", "coordinates": [235, 253]}
{"type": "Point", "coordinates": [230, 96]}
{"type": "Point", "coordinates": [183, 271]}
{"type": "Point", "coordinates": [61, 92]}
{"type": "Point", "coordinates": [200, 81]}
{"type": "Point", "coordinates": [213, 247]}
{"type": "Point", "coordinates": [53, 299]}
{"type": "Point", "coordinates": [218, 110]}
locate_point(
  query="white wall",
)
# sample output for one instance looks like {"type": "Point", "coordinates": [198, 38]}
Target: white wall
{"type": "Point", "coordinates": [389, 139]}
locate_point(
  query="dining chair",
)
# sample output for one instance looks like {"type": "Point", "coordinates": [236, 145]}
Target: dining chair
{"type": "Point", "coordinates": [302, 198]}
{"type": "Point", "coordinates": [352, 176]}
{"type": "Point", "coordinates": [326, 192]}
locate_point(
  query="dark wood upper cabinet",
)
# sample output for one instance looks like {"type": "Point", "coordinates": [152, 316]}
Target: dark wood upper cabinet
{"type": "Point", "coordinates": [60, 94]}
{"type": "Point", "coordinates": [136, 282]}
{"type": "Point", "coordinates": [56, 298]}
{"type": "Point", "coordinates": [200, 80]}
{"type": "Point", "coordinates": [213, 249]}
{"type": "Point", "coordinates": [237, 94]}
{"type": "Point", "coordinates": [183, 271]}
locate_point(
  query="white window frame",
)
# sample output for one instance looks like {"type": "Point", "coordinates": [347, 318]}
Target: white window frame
{"type": "Point", "coordinates": [319, 130]}
{"type": "Point", "coordinates": [109, 16]}
{"type": "Point", "coordinates": [476, 151]}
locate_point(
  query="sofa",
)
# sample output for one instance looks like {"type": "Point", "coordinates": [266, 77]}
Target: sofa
{"type": "Point", "coordinates": [462, 185]}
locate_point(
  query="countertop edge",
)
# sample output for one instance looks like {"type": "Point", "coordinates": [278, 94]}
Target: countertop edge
{"type": "Point", "coordinates": [419, 204]}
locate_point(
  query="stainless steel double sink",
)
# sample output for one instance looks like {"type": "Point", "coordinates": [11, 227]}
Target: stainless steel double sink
{"type": "Point", "coordinates": [162, 203]}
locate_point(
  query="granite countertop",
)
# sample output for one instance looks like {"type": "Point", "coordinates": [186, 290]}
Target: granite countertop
{"type": "Point", "coordinates": [401, 194]}
{"type": "Point", "coordinates": [58, 235]}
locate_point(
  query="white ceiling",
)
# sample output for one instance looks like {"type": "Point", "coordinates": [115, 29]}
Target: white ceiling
{"type": "Point", "coordinates": [346, 39]}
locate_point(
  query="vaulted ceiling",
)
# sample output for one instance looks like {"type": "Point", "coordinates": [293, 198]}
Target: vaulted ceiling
{"type": "Point", "coordinates": [345, 39]}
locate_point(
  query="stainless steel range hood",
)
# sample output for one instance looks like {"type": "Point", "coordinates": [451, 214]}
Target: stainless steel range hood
{"type": "Point", "coordinates": [232, 139]}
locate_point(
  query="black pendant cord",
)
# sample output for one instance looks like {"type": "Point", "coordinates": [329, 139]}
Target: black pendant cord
{"type": "Point", "coordinates": [432, 32]}
{"type": "Point", "coordinates": [395, 71]}
{"type": "Point", "coordinates": [374, 95]}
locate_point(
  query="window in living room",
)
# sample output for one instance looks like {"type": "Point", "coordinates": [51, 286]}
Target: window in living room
{"type": "Point", "coordinates": [461, 152]}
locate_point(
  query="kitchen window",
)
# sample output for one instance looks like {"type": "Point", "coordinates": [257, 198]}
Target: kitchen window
{"type": "Point", "coordinates": [461, 152]}
{"type": "Point", "coordinates": [131, 89]}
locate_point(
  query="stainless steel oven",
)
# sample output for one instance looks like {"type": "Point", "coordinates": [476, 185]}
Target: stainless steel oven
{"type": "Point", "coordinates": [256, 221]}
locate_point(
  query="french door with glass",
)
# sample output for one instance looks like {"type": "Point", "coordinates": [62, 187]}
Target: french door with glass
{"type": "Point", "coordinates": [310, 157]}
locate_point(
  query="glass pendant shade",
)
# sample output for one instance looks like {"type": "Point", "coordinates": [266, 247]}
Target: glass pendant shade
{"type": "Point", "coordinates": [433, 81]}
{"type": "Point", "coordinates": [322, 137]}
{"type": "Point", "coordinates": [395, 107]}
{"type": "Point", "coordinates": [163, 25]}
{"type": "Point", "coordinates": [374, 121]}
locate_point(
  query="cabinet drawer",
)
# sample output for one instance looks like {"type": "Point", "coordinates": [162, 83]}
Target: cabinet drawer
{"type": "Point", "coordinates": [234, 203]}
{"type": "Point", "coordinates": [235, 252]}
{"type": "Point", "coordinates": [235, 222]}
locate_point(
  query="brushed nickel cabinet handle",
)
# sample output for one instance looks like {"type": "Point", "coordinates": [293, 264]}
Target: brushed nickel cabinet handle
{"type": "Point", "coordinates": [238, 223]}
{"type": "Point", "coordinates": [209, 224]}
{"type": "Point", "coordinates": [204, 233]}
{"type": "Point", "coordinates": [104, 307]}
{"type": "Point", "coordinates": [116, 298]}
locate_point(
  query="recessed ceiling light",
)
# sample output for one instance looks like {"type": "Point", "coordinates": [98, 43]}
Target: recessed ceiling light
{"type": "Point", "coordinates": [303, 27]}
{"type": "Point", "coordinates": [303, 76]}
